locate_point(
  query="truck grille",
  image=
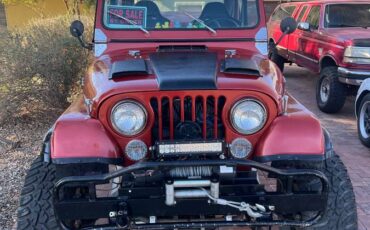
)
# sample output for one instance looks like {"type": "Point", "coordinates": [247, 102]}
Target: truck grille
{"type": "Point", "coordinates": [361, 42]}
{"type": "Point", "coordinates": [188, 118]}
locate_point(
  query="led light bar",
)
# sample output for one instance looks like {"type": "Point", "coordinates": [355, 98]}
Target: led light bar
{"type": "Point", "coordinates": [190, 148]}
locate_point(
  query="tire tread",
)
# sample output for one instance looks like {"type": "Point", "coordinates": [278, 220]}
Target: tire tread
{"type": "Point", "coordinates": [35, 209]}
{"type": "Point", "coordinates": [338, 91]}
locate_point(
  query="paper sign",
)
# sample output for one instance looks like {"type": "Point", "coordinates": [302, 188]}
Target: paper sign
{"type": "Point", "coordinates": [117, 15]}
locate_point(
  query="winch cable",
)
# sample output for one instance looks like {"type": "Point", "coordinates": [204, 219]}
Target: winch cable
{"type": "Point", "coordinates": [252, 211]}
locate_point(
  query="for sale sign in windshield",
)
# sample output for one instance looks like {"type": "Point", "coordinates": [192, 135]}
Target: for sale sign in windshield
{"type": "Point", "coordinates": [126, 17]}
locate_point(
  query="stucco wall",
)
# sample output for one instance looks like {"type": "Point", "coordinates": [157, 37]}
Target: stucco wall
{"type": "Point", "coordinates": [18, 15]}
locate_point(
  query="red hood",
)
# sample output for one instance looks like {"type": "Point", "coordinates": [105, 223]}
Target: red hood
{"type": "Point", "coordinates": [347, 35]}
{"type": "Point", "coordinates": [99, 87]}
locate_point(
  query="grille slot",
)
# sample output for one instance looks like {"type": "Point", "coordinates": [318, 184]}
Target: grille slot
{"type": "Point", "coordinates": [188, 118]}
{"type": "Point", "coordinates": [361, 42]}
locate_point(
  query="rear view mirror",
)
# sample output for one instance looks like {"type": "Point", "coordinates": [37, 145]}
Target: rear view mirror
{"type": "Point", "coordinates": [77, 29]}
{"type": "Point", "coordinates": [288, 25]}
{"type": "Point", "coordinates": [305, 26]}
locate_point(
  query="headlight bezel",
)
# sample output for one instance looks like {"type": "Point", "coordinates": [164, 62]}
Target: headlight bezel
{"type": "Point", "coordinates": [252, 131]}
{"type": "Point", "coordinates": [136, 103]}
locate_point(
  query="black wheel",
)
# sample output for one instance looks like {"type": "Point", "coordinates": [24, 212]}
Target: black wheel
{"type": "Point", "coordinates": [276, 58]}
{"type": "Point", "coordinates": [36, 207]}
{"type": "Point", "coordinates": [341, 208]}
{"type": "Point", "coordinates": [36, 210]}
{"type": "Point", "coordinates": [330, 93]}
{"type": "Point", "coordinates": [363, 120]}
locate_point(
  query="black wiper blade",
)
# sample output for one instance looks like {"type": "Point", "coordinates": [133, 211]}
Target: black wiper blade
{"type": "Point", "coordinates": [201, 22]}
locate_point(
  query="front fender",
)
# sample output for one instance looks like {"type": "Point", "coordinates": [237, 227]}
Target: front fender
{"type": "Point", "coordinates": [78, 138]}
{"type": "Point", "coordinates": [296, 135]}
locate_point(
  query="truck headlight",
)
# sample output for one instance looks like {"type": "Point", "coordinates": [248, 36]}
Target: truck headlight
{"type": "Point", "coordinates": [128, 117]}
{"type": "Point", "coordinates": [248, 116]}
{"type": "Point", "coordinates": [357, 55]}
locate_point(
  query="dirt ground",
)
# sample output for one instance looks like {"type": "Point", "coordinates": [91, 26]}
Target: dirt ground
{"type": "Point", "coordinates": [15, 159]}
{"type": "Point", "coordinates": [26, 141]}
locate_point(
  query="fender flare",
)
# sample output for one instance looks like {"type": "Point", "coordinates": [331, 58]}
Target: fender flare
{"type": "Point", "coordinates": [329, 152]}
{"type": "Point", "coordinates": [327, 55]}
{"type": "Point", "coordinates": [362, 91]}
{"type": "Point", "coordinates": [329, 149]}
{"type": "Point", "coordinates": [295, 136]}
{"type": "Point", "coordinates": [46, 146]}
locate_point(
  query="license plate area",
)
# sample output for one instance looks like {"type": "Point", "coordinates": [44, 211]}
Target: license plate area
{"type": "Point", "coordinates": [190, 148]}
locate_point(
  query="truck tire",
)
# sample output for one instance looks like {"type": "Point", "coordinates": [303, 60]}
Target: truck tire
{"type": "Point", "coordinates": [330, 93]}
{"type": "Point", "coordinates": [36, 210]}
{"type": "Point", "coordinates": [276, 58]}
{"type": "Point", "coordinates": [363, 121]}
{"type": "Point", "coordinates": [341, 209]}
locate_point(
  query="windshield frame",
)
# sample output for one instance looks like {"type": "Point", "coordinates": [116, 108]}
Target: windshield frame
{"type": "Point", "coordinates": [103, 14]}
{"type": "Point", "coordinates": [325, 24]}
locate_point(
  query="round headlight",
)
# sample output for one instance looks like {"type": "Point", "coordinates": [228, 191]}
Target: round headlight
{"type": "Point", "coordinates": [136, 150]}
{"type": "Point", "coordinates": [128, 118]}
{"type": "Point", "coordinates": [248, 116]}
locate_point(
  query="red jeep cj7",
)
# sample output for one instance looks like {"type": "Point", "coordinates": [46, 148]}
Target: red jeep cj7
{"type": "Point", "coordinates": [333, 39]}
{"type": "Point", "coordinates": [185, 124]}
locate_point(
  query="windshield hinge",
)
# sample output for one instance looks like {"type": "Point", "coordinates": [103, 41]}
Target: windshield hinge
{"type": "Point", "coordinates": [134, 53]}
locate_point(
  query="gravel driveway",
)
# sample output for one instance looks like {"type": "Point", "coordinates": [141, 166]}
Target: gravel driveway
{"type": "Point", "coordinates": [301, 84]}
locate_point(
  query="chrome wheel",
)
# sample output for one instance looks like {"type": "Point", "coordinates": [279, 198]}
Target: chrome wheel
{"type": "Point", "coordinates": [364, 120]}
{"type": "Point", "coordinates": [325, 90]}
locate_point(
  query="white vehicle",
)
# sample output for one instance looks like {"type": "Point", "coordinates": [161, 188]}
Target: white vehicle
{"type": "Point", "coordinates": [363, 112]}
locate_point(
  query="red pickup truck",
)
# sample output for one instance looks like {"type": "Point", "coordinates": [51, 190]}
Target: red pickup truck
{"type": "Point", "coordinates": [333, 39]}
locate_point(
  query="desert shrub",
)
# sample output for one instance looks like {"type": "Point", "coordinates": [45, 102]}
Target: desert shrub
{"type": "Point", "coordinates": [40, 66]}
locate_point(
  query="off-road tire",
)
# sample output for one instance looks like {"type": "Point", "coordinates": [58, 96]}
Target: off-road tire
{"type": "Point", "coordinates": [365, 140]}
{"type": "Point", "coordinates": [276, 58]}
{"type": "Point", "coordinates": [337, 91]}
{"type": "Point", "coordinates": [341, 210]}
{"type": "Point", "coordinates": [36, 209]}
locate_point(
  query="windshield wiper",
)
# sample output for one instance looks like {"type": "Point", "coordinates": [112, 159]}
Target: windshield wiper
{"type": "Point", "coordinates": [201, 22]}
{"type": "Point", "coordinates": [129, 21]}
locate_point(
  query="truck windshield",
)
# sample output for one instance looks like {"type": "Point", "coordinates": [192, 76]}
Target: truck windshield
{"type": "Point", "coordinates": [347, 15]}
{"type": "Point", "coordinates": [180, 14]}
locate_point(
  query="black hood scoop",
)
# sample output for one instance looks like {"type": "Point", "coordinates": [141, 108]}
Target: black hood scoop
{"type": "Point", "coordinates": [185, 70]}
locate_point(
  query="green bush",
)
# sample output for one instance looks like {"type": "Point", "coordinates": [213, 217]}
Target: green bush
{"type": "Point", "coordinates": [40, 66]}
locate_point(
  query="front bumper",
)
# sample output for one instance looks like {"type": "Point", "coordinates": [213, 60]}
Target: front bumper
{"type": "Point", "coordinates": [352, 76]}
{"type": "Point", "coordinates": [150, 201]}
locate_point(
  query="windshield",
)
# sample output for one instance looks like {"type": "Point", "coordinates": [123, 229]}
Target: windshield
{"type": "Point", "coordinates": [347, 15]}
{"type": "Point", "coordinates": [180, 14]}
